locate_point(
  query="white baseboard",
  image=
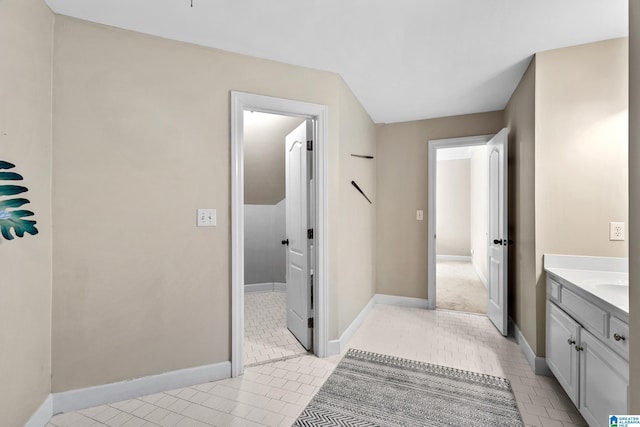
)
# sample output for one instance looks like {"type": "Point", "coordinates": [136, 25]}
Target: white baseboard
{"type": "Point", "coordinates": [41, 417]}
{"type": "Point", "coordinates": [74, 400]}
{"type": "Point", "coordinates": [265, 287]}
{"type": "Point", "coordinates": [479, 272]}
{"type": "Point", "coordinates": [339, 345]}
{"type": "Point", "coordinates": [538, 364]}
{"type": "Point", "coordinates": [401, 301]}
{"type": "Point", "coordinates": [453, 258]}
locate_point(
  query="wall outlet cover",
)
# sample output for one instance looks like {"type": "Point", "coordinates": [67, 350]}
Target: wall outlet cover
{"type": "Point", "coordinates": [616, 231]}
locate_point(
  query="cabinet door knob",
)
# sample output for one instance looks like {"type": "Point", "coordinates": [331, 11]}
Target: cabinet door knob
{"type": "Point", "coordinates": [578, 348]}
{"type": "Point", "coordinates": [285, 242]}
{"type": "Point", "coordinates": [571, 342]}
{"type": "Point", "coordinates": [618, 337]}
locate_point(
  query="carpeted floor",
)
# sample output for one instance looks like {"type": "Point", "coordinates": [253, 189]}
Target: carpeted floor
{"type": "Point", "coordinates": [370, 389]}
{"type": "Point", "coordinates": [459, 288]}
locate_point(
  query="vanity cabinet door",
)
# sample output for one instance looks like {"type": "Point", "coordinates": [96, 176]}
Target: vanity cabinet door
{"type": "Point", "coordinates": [562, 358]}
{"type": "Point", "coordinates": [603, 381]}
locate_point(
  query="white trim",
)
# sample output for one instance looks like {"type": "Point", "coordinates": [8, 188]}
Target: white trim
{"type": "Point", "coordinates": [401, 301]}
{"type": "Point", "coordinates": [265, 287]}
{"type": "Point", "coordinates": [434, 145]}
{"type": "Point", "coordinates": [339, 345]}
{"type": "Point", "coordinates": [453, 258]}
{"type": "Point", "coordinates": [241, 101]}
{"type": "Point", "coordinates": [538, 364]}
{"type": "Point", "coordinates": [43, 414]}
{"type": "Point", "coordinates": [82, 398]}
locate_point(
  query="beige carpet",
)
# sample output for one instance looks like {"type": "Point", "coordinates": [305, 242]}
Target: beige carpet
{"type": "Point", "coordinates": [459, 288]}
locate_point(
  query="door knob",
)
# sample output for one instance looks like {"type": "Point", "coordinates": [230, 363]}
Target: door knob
{"type": "Point", "coordinates": [579, 348]}
{"type": "Point", "coordinates": [618, 337]}
{"type": "Point", "coordinates": [571, 342]}
{"type": "Point", "coordinates": [497, 242]}
{"type": "Point", "coordinates": [285, 242]}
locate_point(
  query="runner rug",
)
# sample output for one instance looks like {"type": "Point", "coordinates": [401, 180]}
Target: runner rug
{"type": "Point", "coordinates": [369, 389]}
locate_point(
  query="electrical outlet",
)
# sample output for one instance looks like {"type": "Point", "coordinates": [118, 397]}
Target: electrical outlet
{"type": "Point", "coordinates": [616, 231]}
{"type": "Point", "coordinates": [206, 218]}
{"type": "Point", "coordinates": [419, 215]}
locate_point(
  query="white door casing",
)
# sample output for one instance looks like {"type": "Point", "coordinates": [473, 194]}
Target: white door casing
{"type": "Point", "coordinates": [241, 101]}
{"type": "Point", "coordinates": [298, 274]}
{"type": "Point", "coordinates": [498, 238]}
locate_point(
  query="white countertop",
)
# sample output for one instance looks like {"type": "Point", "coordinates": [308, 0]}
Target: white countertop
{"type": "Point", "coordinates": [603, 277]}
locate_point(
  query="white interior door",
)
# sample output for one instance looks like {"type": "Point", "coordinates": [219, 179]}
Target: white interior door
{"type": "Point", "coordinates": [298, 248]}
{"type": "Point", "coordinates": [497, 232]}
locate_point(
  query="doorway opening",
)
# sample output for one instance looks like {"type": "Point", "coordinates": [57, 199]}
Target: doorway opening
{"type": "Point", "coordinates": [452, 240]}
{"type": "Point", "coordinates": [461, 228]}
{"type": "Point", "coordinates": [257, 235]}
{"type": "Point", "coordinates": [266, 334]}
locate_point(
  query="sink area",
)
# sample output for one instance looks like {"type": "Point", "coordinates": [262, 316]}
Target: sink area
{"type": "Point", "coordinates": [587, 308]}
{"type": "Point", "coordinates": [606, 279]}
{"type": "Point", "coordinates": [615, 293]}
{"type": "Point", "coordinates": [613, 287]}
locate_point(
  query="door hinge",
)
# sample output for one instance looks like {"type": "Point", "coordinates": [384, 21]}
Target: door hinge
{"type": "Point", "coordinates": [309, 145]}
{"type": "Point", "coordinates": [310, 233]}
{"type": "Point", "coordinates": [310, 322]}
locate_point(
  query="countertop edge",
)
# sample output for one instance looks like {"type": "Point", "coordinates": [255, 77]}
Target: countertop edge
{"type": "Point", "coordinates": [612, 309]}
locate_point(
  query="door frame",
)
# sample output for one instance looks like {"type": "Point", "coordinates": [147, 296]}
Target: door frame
{"type": "Point", "coordinates": [434, 145]}
{"type": "Point", "coordinates": [241, 101]}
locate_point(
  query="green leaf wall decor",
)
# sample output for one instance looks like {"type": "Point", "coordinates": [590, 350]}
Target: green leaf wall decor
{"type": "Point", "coordinates": [9, 216]}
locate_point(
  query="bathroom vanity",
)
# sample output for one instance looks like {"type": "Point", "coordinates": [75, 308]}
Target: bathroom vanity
{"type": "Point", "coordinates": [587, 335]}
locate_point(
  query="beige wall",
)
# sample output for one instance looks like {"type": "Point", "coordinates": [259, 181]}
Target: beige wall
{"type": "Point", "coordinates": [453, 200]}
{"type": "Point", "coordinates": [264, 175]}
{"type": "Point", "coordinates": [26, 36]}
{"type": "Point", "coordinates": [581, 144]}
{"type": "Point", "coordinates": [141, 129]}
{"type": "Point", "coordinates": [478, 175]}
{"type": "Point", "coordinates": [525, 294]}
{"type": "Point", "coordinates": [354, 217]}
{"type": "Point", "coordinates": [402, 189]}
{"type": "Point", "coordinates": [634, 207]}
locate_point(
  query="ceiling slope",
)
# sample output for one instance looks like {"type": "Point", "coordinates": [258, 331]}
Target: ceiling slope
{"type": "Point", "coordinates": [403, 59]}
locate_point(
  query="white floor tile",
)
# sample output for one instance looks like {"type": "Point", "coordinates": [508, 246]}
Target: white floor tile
{"type": "Point", "coordinates": [274, 394]}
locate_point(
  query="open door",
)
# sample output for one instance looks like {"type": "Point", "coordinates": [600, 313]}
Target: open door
{"type": "Point", "coordinates": [299, 234]}
{"type": "Point", "coordinates": [498, 239]}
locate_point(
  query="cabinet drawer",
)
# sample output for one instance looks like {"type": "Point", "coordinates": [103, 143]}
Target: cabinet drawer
{"type": "Point", "coordinates": [620, 330]}
{"type": "Point", "coordinates": [590, 316]}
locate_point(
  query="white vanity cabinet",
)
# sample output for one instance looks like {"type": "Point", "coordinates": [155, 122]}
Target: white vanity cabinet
{"type": "Point", "coordinates": [563, 333]}
{"type": "Point", "coordinates": [586, 349]}
{"type": "Point", "coordinates": [604, 379]}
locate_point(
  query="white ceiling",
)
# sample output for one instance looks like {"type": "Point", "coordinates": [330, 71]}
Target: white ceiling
{"type": "Point", "coordinates": [403, 59]}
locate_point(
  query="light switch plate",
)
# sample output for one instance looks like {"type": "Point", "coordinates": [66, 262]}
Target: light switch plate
{"type": "Point", "coordinates": [206, 218]}
{"type": "Point", "coordinates": [419, 215]}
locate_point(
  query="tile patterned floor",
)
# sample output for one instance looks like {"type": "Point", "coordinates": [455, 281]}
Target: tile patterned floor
{"type": "Point", "coordinates": [273, 394]}
{"type": "Point", "coordinates": [266, 336]}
